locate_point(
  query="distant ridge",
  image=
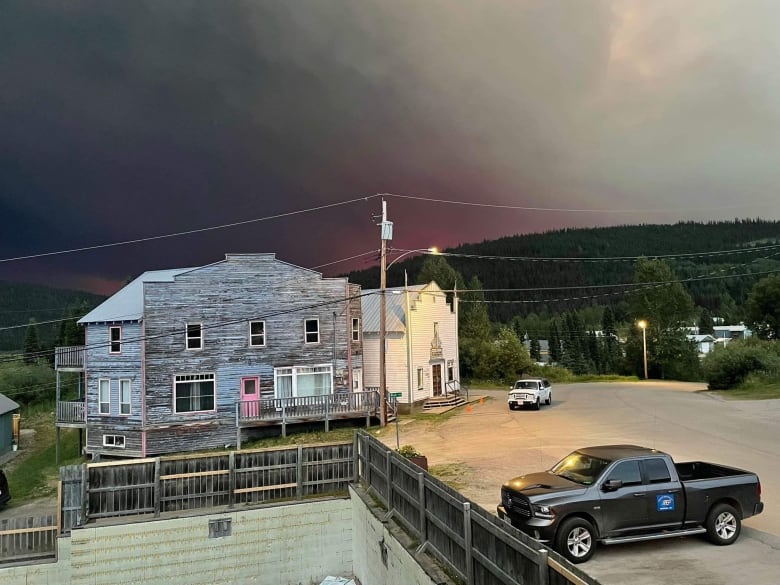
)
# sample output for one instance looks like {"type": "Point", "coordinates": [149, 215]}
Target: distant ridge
{"type": "Point", "coordinates": [706, 239]}
{"type": "Point", "coordinates": [19, 302]}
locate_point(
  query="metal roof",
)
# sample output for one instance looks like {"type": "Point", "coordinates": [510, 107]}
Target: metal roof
{"type": "Point", "coordinates": [395, 305]}
{"type": "Point", "coordinates": [128, 303]}
{"type": "Point", "coordinates": [6, 404]}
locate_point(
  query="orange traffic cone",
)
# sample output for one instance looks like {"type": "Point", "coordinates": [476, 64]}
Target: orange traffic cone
{"type": "Point", "coordinates": [482, 400]}
{"type": "Point", "coordinates": [468, 408]}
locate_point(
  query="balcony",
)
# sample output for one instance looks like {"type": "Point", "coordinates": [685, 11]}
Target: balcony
{"type": "Point", "coordinates": [71, 414]}
{"type": "Point", "coordinates": [69, 358]}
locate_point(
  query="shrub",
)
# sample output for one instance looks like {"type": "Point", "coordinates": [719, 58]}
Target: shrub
{"type": "Point", "coordinates": [727, 367]}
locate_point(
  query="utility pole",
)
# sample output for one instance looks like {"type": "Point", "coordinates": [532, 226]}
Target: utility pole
{"type": "Point", "coordinates": [386, 234]}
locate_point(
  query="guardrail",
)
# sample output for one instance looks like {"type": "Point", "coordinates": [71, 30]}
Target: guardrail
{"type": "Point", "coordinates": [71, 412]}
{"type": "Point", "coordinates": [69, 357]}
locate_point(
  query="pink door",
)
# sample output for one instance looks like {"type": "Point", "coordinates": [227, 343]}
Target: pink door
{"type": "Point", "coordinates": [250, 397]}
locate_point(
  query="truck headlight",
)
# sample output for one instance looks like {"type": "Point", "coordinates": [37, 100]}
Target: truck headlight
{"type": "Point", "coordinates": [543, 512]}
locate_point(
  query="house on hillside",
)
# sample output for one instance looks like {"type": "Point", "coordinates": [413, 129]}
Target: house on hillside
{"type": "Point", "coordinates": [727, 333]}
{"type": "Point", "coordinates": [704, 343]}
{"type": "Point", "coordinates": [197, 358]}
{"type": "Point", "coordinates": [8, 409]}
{"type": "Point", "coordinates": [421, 342]}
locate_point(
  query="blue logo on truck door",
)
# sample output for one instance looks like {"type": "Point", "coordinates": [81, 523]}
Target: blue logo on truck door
{"type": "Point", "coordinates": [665, 502]}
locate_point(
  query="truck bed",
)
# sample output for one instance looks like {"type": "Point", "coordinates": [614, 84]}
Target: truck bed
{"type": "Point", "coordinates": [693, 470]}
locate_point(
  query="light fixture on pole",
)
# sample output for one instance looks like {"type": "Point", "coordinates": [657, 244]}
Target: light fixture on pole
{"type": "Point", "coordinates": [643, 326]}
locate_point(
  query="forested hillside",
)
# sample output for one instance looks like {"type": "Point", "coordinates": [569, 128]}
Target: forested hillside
{"type": "Point", "coordinates": [21, 302]}
{"type": "Point", "coordinates": [572, 269]}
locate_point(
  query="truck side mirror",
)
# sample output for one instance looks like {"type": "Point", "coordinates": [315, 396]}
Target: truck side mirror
{"type": "Point", "coordinates": [612, 484]}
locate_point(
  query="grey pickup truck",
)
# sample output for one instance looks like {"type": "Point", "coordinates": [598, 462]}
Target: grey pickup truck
{"type": "Point", "coordinates": [624, 493]}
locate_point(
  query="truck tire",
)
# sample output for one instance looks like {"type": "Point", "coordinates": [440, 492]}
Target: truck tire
{"type": "Point", "coordinates": [548, 402]}
{"type": "Point", "coordinates": [537, 406]}
{"type": "Point", "coordinates": [723, 525]}
{"type": "Point", "coordinates": [576, 540]}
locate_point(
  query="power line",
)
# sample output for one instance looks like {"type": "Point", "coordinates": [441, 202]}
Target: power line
{"type": "Point", "coordinates": [560, 209]}
{"type": "Point", "coordinates": [187, 232]}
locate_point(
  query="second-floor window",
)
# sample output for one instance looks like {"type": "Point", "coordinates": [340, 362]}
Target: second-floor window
{"type": "Point", "coordinates": [193, 392]}
{"type": "Point", "coordinates": [312, 331]}
{"type": "Point", "coordinates": [115, 335]}
{"type": "Point", "coordinates": [104, 396]}
{"type": "Point", "coordinates": [355, 329]}
{"type": "Point", "coordinates": [194, 336]}
{"type": "Point", "coordinates": [124, 397]}
{"type": "Point", "coordinates": [257, 333]}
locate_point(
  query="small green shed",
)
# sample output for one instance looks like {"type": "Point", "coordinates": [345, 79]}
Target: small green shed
{"type": "Point", "coordinates": [7, 409]}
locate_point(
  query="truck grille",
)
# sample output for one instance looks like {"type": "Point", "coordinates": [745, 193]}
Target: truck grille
{"type": "Point", "coordinates": [516, 504]}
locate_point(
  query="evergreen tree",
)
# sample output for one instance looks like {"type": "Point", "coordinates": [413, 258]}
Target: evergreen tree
{"type": "Point", "coordinates": [32, 346]}
{"type": "Point", "coordinates": [554, 342]}
{"type": "Point", "coordinates": [706, 323]}
{"type": "Point", "coordinates": [535, 350]}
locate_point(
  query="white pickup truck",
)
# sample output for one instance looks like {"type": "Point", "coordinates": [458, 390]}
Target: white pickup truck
{"type": "Point", "coordinates": [531, 392]}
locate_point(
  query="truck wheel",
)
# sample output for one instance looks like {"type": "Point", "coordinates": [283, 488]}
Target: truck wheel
{"type": "Point", "coordinates": [576, 540]}
{"type": "Point", "coordinates": [511, 407]}
{"type": "Point", "coordinates": [548, 402]}
{"type": "Point", "coordinates": [537, 405]}
{"type": "Point", "coordinates": [723, 525]}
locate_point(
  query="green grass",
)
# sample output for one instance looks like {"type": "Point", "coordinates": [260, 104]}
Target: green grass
{"type": "Point", "coordinates": [304, 438]}
{"type": "Point", "coordinates": [752, 389]}
{"type": "Point", "coordinates": [569, 379]}
{"type": "Point", "coordinates": [453, 474]}
{"type": "Point", "coordinates": [33, 473]}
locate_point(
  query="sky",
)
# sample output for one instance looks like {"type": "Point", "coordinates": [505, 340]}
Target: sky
{"type": "Point", "coordinates": [128, 120]}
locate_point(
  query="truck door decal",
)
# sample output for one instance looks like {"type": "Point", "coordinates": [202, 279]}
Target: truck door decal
{"type": "Point", "coordinates": [664, 502]}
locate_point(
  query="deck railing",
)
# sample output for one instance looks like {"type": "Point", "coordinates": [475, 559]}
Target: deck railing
{"type": "Point", "coordinates": [71, 412]}
{"type": "Point", "coordinates": [69, 357]}
{"type": "Point", "coordinates": [320, 406]}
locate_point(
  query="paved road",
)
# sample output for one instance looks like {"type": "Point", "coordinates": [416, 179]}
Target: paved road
{"type": "Point", "coordinates": [492, 444]}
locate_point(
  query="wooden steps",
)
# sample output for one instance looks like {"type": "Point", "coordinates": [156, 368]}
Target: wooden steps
{"type": "Point", "coordinates": [450, 401]}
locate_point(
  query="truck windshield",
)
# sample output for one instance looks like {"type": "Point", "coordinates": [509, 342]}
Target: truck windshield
{"type": "Point", "coordinates": [580, 468]}
{"type": "Point", "coordinates": [525, 385]}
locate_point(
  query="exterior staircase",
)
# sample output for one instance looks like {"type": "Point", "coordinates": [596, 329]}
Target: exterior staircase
{"type": "Point", "coordinates": [449, 401]}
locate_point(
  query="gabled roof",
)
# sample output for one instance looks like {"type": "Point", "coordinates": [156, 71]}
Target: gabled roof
{"type": "Point", "coordinates": [700, 338]}
{"type": "Point", "coordinates": [128, 303]}
{"type": "Point", "coordinates": [6, 404]}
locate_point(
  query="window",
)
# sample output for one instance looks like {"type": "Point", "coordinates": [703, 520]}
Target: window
{"type": "Point", "coordinates": [419, 378]}
{"type": "Point", "coordinates": [257, 333]}
{"type": "Point", "coordinates": [193, 392]}
{"type": "Point", "coordinates": [355, 329]}
{"type": "Point", "coordinates": [220, 527]}
{"type": "Point", "coordinates": [312, 331]}
{"type": "Point", "coordinates": [657, 471]}
{"type": "Point", "coordinates": [249, 387]}
{"type": "Point", "coordinates": [104, 396]}
{"type": "Point", "coordinates": [194, 336]}
{"type": "Point", "coordinates": [450, 370]}
{"type": "Point", "coordinates": [124, 396]}
{"type": "Point", "coordinates": [627, 472]}
{"type": "Point", "coordinates": [117, 441]}
{"type": "Point", "coordinates": [303, 381]}
{"type": "Point", "coordinates": [115, 335]}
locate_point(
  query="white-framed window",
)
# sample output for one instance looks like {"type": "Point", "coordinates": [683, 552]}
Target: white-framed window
{"type": "Point", "coordinates": [257, 333]}
{"type": "Point", "coordinates": [194, 336]}
{"type": "Point", "coordinates": [124, 396]}
{"type": "Point", "coordinates": [104, 396]}
{"type": "Point", "coordinates": [303, 381]}
{"type": "Point", "coordinates": [115, 337]}
{"type": "Point", "coordinates": [355, 329]}
{"type": "Point", "coordinates": [450, 370]}
{"type": "Point", "coordinates": [311, 331]}
{"type": "Point", "coordinates": [117, 441]}
{"type": "Point", "coordinates": [420, 378]}
{"type": "Point", "coordinates": [193, 392]}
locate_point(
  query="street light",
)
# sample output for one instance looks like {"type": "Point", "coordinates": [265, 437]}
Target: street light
{"type": "Point", "coordinates": [643, 326]}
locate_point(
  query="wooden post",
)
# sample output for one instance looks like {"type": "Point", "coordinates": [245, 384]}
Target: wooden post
{"type": "Point", "coordinates": [84, 495]}
{"type": "Point", "coordinates": [299, 473]}
{"type": "Point", "coordinates": [284, 419]}
{"type": "Point", "coordinates": [232, 479]}
{"type": "Point", "coordinates": [157, 486]}
{"type": "Point", "coordinates": [355, 458]}
{"type": "Point", "coordinates": [327, 413]}
{"type": "Point", "coordinates": [544, 574]}
{"type": "Point", "coordinates": [421, 507]}
{"type": "Point", "coordinates": [389, 478]}
{"type": "Point", "coordinates": [238, 425]}
{"type": "Point", "coordinates": [467, 542]}
{"type": "Point", "coordinates": [59, 506]}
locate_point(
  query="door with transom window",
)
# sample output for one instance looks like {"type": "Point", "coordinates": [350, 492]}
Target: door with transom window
{"type": "Point", "coordinates": [436, 377]}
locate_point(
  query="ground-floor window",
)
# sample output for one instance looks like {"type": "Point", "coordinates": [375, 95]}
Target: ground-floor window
{"type": "Point", "coordinates": [114, 441]}
{"type": "Point", "coordinates": [303, 381]}
{"type": "Point", "coordinates": [193, 392]}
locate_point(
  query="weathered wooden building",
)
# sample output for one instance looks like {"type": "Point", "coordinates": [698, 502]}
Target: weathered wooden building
{"type": "Point", "coordinates": [421, 331]}
{"type": "Point", "coordinates": [190, 359]}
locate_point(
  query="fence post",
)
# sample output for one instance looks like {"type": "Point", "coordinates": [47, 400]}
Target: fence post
{"type": "Point", "coordinates": [389, 479]}
{"type": "Point", "coordinates": [327, 414]}
{"type": "Point", "coordinates": [299, 472]}
{"type": "Point", "coordinates": [421, 506]}
{"type": "Point", "coordinates": [84, 495]}
{"type": "Point", "coordinates": [157, 487]}
{"type": "Point", "coordinates": [355, 458]}
{"type": "Point", "coordinates": [544, 574]}
{"type": "Point", "coordinates": [232, 479]}
{"type": "Point", "coordinates": [467, 542]}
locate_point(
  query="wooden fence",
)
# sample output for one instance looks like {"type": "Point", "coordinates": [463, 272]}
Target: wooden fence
{"type": "Point", "coordinates": [478, 547]}
{"type": "Point", "coordinates": [28, 539]}
{"type": "Point", "coordinates": [169, 484]}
